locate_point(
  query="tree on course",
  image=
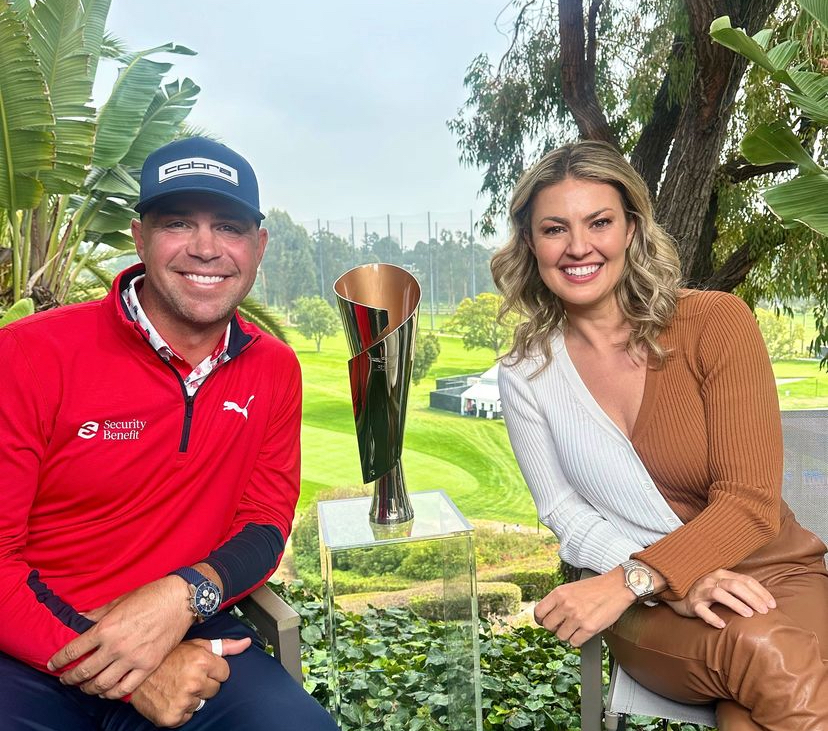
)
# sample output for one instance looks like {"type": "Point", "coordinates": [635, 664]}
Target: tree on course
{"type": "Point", "coordinates": [315, 319]}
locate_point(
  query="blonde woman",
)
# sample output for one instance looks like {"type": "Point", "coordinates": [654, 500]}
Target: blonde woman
{"type": "Point", "coordinates": [646, 424]}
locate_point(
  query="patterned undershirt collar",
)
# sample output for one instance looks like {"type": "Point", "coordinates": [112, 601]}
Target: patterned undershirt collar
{"type": "Point", "coordinates": [203, 369]}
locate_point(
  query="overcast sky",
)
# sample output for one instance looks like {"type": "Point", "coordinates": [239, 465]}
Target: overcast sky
{"type": "Point", "coordinates": [340, 106]}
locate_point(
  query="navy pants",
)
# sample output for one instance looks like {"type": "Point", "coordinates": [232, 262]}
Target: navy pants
{"type": "Point", "coordinates": [259, 695]}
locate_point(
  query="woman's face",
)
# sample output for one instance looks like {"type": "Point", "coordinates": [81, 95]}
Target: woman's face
{"type": "Point", "coordinates": [579, 237]}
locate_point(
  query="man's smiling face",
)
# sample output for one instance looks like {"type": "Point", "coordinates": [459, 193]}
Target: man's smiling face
{"type": "Point", "coordinates": [201, 253]}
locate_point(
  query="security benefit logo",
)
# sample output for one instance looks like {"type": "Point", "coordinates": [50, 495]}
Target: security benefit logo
{"type": "Point", "coordinates": [126, 430]}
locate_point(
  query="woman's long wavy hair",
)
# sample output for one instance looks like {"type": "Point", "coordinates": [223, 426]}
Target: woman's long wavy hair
{"type": "Point", "coordinates": [648, 288]}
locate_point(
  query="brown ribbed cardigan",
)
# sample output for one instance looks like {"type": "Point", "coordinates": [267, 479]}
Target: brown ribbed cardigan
{"type": "Point", "coordinates": [709, 433]}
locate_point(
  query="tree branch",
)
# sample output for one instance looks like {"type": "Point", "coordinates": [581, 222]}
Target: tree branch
{"type": "Point", "coordinates": [515, 34]}
{"type": "Point", "coordinates": [654, 143]}
{"type": "Point", "coordinates": [577, 77]}
{"type": "Point", "coordinates": [594, 6]}
{"type": "Point", "coordinates": [740, 170]}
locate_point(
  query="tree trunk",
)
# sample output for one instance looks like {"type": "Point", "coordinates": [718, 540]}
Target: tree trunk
{"type": "Point", "coordinates": [578, 70]}
{"type": "Point", "coordinates": [684, 201]}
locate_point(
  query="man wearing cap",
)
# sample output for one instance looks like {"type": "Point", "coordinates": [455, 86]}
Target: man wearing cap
{"type": "Point", "coordinates": [150, 452]}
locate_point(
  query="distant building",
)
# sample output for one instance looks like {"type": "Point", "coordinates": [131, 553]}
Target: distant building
{"type": "Point", "coordinates": [474, 394]}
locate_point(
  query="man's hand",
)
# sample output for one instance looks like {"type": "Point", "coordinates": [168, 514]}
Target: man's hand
{"type": "Point", "coordinates": [741, 593]}
{"type": "Point", "coordinates": [131, 639]}
{"type": "Point", "coordinates": [581, 609]}
{"type": "Point", "coordinates": [189, 674]}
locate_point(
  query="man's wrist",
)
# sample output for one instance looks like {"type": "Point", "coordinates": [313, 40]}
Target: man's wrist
{"type": "Point", "coordinates": [203, 595]}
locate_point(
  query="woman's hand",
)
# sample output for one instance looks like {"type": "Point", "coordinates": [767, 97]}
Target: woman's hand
{"type": "Point", "coordinates": [581, 609]}
{"type": "Point", "coordinates": [741, 593]}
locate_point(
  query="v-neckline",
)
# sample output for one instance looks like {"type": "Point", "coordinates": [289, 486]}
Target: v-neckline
{"type": "Point", "coordinates": [648, 398]}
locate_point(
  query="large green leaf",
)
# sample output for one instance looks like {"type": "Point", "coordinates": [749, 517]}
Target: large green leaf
{"type": "Point", "coordinates": [21, 7]}
{"type": "Point", "coordinates": [818, 9]}
{"type": "Point", "coordinates": [26, 139]}
{"type": "Point", "coordinates": [110, 218]}
{"type": "Point", "coordinates": [772, 143]}
{"type": "Point", "coordinates": [118, 240]}
{"type": "Point", "coordinates": [262, 316]}
{"type": "Point", "coordinates": [780, 56]}
{"type": "Point", "coordinates": [57, 40]}
{"type": "Point", "coordinates": [801, 200]}
{"type": "Point", "coordinates": [122, 116]}
{"type": "Point", "coordinates": [737, 40]}
{"type": "Point", "coordinates": [95, 13]}
{"type": "Point", "coordinates": [114, 181]}
{"type": "Point", "coordinates": [21, 308]}
{"type": "Point", "coordinates": [168, 110]}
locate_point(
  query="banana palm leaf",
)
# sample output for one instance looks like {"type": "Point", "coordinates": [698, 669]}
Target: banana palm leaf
{"type": "Point", "coordinates": [168, 109]}
{"type": "Point", "coordinates": [121, 118]}
{"type": "Point", "coordinates": [801, 200]}
{"type": "Point", "coordinates": [818, 9]}
{"type": "Point", "coordinates": [93, 22]}
{"type": "Point", "coordinates": [57, 40]}
{"type": "Point", "coordinates": [116, 181]}
{"type": "Point", "coordinates": [262, 316]}
{"type": "Point", "coordinates": [21, 308]}
{"type": "Point", "coordinates": [21, 7]}
{"type": "Point", "coordinates": [27, 146]}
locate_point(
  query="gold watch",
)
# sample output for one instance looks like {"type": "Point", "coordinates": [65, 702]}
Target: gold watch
{"type": "Point", "coordinates": [638, 578]}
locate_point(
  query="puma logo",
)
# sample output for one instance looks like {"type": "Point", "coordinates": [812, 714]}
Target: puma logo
{"type": "Point", "coordinates": [232, 406]}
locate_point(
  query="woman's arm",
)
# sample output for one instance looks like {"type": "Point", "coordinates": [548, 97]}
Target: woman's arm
{"type": "Point", "coordinates": [744, 450]}
{"type": "Point", "coordinates": [587, 538]}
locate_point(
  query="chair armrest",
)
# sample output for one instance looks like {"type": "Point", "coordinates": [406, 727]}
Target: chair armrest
{"type": "Point", "coordinates": [279, 623]}
{"type": "Point", "coordinates": [592, 702]}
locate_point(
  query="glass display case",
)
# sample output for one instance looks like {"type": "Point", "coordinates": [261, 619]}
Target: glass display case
{"type": "Point", "coordinates": [439, 535]}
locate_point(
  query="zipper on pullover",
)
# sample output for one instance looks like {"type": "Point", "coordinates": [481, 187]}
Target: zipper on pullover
{"type": "Point", "coordinates": [188, 420]}
{"type": "Point", "coordinates": [189, 401]}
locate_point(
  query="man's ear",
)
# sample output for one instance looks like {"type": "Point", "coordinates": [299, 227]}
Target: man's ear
{"type": "Point", "coordinates": [261, 244]}
{"type": "Point", "coordinates": [137, 228]}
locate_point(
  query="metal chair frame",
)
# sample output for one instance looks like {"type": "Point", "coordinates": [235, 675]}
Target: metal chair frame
{"type": "Point", "coordinates": [280, 625]}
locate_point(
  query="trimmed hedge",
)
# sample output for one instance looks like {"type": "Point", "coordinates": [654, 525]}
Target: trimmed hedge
{"type": "Point", "coordinates": [494, 598]}
{"type": "Point", "coordinates": [536, 576]}
{"type": "Point", "coordinates": [349, 582]}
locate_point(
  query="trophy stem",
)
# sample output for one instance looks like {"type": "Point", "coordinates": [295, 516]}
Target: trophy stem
{"type": "Point", "coordinates": [391, 505]}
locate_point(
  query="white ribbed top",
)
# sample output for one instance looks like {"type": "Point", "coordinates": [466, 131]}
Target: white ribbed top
{"type": "Point", "coordinates": [589, 485]}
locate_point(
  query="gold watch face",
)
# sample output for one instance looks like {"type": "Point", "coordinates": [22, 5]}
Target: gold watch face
{"type": "Point", "coordinates": [638, 579]}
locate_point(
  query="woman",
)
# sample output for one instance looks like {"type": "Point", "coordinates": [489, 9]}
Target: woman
{"type": "Point", "coordinates": [646, 424]}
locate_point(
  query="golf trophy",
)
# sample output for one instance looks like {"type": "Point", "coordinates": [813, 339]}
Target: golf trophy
{"type": "Point", "coordinates": [379, 304]}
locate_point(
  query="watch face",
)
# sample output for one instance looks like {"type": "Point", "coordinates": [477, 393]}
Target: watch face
{"type": "Point", "coordinates": [207, 598]}
{"type": "Point", "coordinates": [638, 579]}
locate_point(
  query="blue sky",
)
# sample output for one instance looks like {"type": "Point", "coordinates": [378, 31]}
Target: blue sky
{"type": "Point", "coordinates": [340, 106]}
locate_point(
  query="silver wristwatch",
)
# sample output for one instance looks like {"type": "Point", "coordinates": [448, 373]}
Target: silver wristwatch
{"type": "Point", "coordinates": [638, 578]}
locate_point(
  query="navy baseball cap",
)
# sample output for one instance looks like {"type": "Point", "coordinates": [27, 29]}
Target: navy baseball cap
{"type": "Point", "coordinates": [198, 165]}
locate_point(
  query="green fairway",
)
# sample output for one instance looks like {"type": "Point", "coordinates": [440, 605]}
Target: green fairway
{"type": "Point", "coordinates": [468, 458]}
{"type": "Point", "coordinates": [801, 384]}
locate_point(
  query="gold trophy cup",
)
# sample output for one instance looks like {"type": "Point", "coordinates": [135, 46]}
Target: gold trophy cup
{"type": "Point", "coordinates": [379, 304]}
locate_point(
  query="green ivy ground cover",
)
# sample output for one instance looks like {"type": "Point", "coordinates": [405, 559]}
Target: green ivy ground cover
{"type": "Point", "coordinates": [530, 680]}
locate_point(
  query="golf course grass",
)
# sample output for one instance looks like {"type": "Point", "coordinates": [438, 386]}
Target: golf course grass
{"type": "Point", "coordinates": [468, 458]}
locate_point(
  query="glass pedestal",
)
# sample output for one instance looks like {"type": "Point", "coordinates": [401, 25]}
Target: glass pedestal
{"type": "Point", "coordinates": [433, 663]}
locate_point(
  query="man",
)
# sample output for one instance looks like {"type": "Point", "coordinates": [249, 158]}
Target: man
{"type": "Point", "coordinates": [149, 445]}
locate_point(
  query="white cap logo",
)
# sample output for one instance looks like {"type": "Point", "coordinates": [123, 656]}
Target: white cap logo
{"type": "Point", "coordinates": [88, 430]}
{"type": "Point", "coordinates": [198, 166]}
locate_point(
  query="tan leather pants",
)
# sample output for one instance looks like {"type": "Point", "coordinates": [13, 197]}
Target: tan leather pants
{"type": "Point", "coordinates": [770, 671]}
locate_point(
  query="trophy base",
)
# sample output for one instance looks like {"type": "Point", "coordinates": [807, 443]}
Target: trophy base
{"type": "Point", "coordinates": [390, 531]}
{"type": "Point", "coordinates": [391, 506]}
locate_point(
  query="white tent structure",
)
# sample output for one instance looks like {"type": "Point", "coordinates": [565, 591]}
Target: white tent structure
{"type": "Point", "coordinates": [482, 397]}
